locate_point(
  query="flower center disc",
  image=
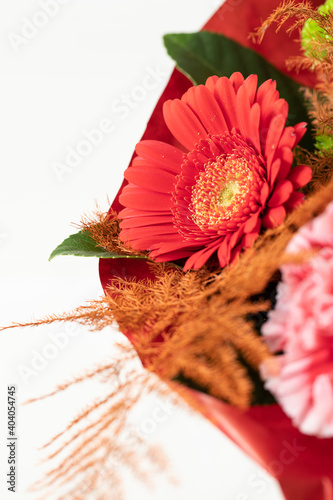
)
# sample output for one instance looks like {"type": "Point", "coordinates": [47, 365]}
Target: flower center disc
{"type": "Point", "coordinates": [222, 189]}
{"type": "Point", "coordinates": [219, 186]}
{"type": "Point", "coordinates": [228, 193]}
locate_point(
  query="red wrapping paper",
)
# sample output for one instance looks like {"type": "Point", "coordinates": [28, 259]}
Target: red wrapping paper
{"type": "Point", "coordinates": [303, 465]}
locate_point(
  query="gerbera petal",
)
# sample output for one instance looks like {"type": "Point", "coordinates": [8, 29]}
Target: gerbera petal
{"type": "Point", "coordinates": [294, 201]}
{"type": "Point", "coordinates": [267, 96]}
{"type": "Point", "coordinates": [147, 242]}
{"type": "Point", "coordinates": [300, 176]}
{"type": "Point", "coordinates": [255, 126]}
{"type": "Point", "coordinates": [300, 130]}
{"type": "Point", "coordinates": [211, 82]}
{"type": "Point", "coordinates": [248, 114]}
{"type": "Point", "coordinates": [251, 223]}
{"type": "Point", "coordinates": [281, 193]}
{"type": "Point", "coordinates": [249, 238]}
{"type": "Point", "coordinates": [133, 213]}
{"type": "Point", "coordinates": [237, 79]}
{"type": "Point", "coordinates": [288, 138]}
{"type": "Point", "coordinates": [143, 199]}
{"type": "Point", "coordinates": [171, 256]}
{"type": "Point", "coordinates": [280, 107]}
{"type": "Point", "coordinates": [275, 130]}
{"type": "Point", "coordinates": [274, 217]}
{"type": "Point", "coordinates": [175, 245]}
{"type": "Point", "coordinates": [248, 119]}
{"type": "Point", "coordinates": [198, 259]}
{"type": "Point", "coordinates": [131, 222]}
{"type": "Point", "coordinates": [159, 154]}
{"type": "Point", "coordinates": [267, 90]}
{"type": "Point", "coordinates": [203, 103]}
{"type": "Point", "coordinates": [226, 97]}
{"type": "Point", "coordinates": [236, 236]}
{"type": "Point", "coordinates": [223, 252]}
{"type": "Point", "coordinates": [250, 85]}
{"type": "Point", "coordinates": [151, 178]}
{"type": "Point", "coordinates": [235, 253]}
{"type": "Point", "coordinates": [274, 173]}
{"type": "Point", "coordinates": [183, 123]}
{"type": "Point", "coordinates": [136, 233]}
{"type": "Point", "coordinates": [285, 161]}
{"type": "Point", "coordinates": [264, 194]}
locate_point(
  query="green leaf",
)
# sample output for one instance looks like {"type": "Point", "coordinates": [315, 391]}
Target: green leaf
{"type": "Point", "coordinates": [203, 54]}
{"type": "Point", "coordinates": [81, 244]}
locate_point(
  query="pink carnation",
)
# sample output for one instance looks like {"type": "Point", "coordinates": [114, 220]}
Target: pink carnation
{"type": "Point", "coordinates": [301, 325]}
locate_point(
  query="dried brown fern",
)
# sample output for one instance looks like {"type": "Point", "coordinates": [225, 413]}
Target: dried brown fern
{"type": "Point", "coordinates": [94, 449]}
{"type": "Point", "coordinates": [104, 229]}
{"type": "Point", "coordinates": [300, 11]}
{"type": "Point", "coordinates": [196, 324]}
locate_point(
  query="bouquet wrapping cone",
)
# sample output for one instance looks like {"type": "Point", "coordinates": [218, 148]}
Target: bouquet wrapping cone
{"type": "Point", "coordinates": [303, 465]}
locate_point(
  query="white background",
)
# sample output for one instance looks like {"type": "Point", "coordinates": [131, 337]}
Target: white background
{"type": "Point", "coordinates": [58, 80]}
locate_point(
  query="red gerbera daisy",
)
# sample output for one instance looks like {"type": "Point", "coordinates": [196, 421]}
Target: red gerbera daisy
{"type": "Point", "coordinates": [234, 178]}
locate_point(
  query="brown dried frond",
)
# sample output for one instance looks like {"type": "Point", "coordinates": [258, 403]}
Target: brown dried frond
{"type": "Point", "coordinates": [216, 321]}
{"type": "Point", "coordinates": [192, 325]}
{"type": "Point", "coordinates": [320, 107]}
{"type": "Point", "coordinates": [301, 11]}
{"type": "Point", "coordinates": [320, 58]}
{"type": "Point", "coordinates": [99, 443]}
{"type": "Point", "coordinates": [322, 166]}
{"type": "Point", "coordinates": [196, 324]}
{"type": "Point", "coordinates": [104, 229]}
{"type": "Point", "coordinates": [319, 65]}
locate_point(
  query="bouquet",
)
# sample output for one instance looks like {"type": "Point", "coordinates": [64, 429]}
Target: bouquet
{"type": "Point", "coordinates": [216, 257]}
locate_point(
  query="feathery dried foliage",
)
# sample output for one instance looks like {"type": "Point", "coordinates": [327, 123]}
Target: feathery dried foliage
{"type": "Point", "coordinates": [195, 325]}
{"type": "Point", "coordinates": [321, 47]}
{"type": "Point", "coordinates": [94, 449]}
{"type": "Point", "coordinates": [104, 229]}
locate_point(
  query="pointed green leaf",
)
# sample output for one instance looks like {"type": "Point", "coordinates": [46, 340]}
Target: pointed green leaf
{"type": "Point", "coordinates": [203, 54]}
{"type": "Point", "coordinates": [81, 244]}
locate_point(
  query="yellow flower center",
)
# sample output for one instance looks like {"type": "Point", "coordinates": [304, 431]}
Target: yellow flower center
{"type": "Point", "coordinates": [222, 189]}
{"type": "Point", "coordinates": [228, 193]}
{"type": "Point", "coordinates": [219, 187]}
